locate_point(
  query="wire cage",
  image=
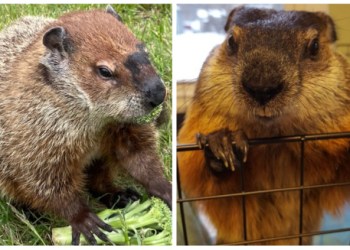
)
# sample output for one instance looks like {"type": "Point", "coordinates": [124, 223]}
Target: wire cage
{"type": "Point", "coordinates": [301, 140]}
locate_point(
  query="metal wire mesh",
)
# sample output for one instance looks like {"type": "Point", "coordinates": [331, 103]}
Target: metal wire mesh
{"type": "Point", "coordinates": [301, 139]}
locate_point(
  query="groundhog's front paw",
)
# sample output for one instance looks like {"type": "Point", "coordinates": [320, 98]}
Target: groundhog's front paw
{"type": "Point", "coordinates": [225, 150]}
{"type": "Point", "coordinates": [167, 196]}
{"type": "Point", "coordinates": [162, 189]}
{"type": "Point", "coordinates": [88, 224]}
{"type": "Point", "coordinates": [120, 199]}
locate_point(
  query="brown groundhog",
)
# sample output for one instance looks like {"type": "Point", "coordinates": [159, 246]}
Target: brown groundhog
{"type": "Point", "coordinates": [276, 74]}
{"type": "Point", "coordinates": [71, 90]}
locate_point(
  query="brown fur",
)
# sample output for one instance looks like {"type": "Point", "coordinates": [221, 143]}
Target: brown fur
{"type": "Point", "coordinates": [64, 129]}
{"type": "Point", "coordinates": [315, 99]}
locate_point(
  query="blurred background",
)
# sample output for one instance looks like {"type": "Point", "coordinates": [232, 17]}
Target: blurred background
{"type": "Point", "coordinates": [199, 28]}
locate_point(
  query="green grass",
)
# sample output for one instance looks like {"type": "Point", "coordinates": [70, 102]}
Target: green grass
{"type": "Point", "coordinates": [152, 25]}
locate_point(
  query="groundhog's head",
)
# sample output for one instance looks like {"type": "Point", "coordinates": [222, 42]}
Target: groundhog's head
{"type": "Point", "coordinates": [110, 67]}
{"type": "Point", "coordinates": [276, 64]}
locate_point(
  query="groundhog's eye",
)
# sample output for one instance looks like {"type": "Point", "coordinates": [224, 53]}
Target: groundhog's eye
{"type": "Point", "coordinates": [104, 72]}
{"type": "Point", "coordinates": [314, 47]}
{"type": "Point", "coordinates": [233, 46]}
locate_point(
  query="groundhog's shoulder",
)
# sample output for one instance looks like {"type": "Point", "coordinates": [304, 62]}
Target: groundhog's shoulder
{"type": "Point", "coordinates": [18, 35]}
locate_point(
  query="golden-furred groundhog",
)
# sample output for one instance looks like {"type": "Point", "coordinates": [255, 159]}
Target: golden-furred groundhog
{"type": "Point", "coordinates": [71, 91]}
{"type": "Point", "coordinates": [276, 74]}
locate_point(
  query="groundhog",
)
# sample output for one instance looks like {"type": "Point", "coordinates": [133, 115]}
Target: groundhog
{"type": "Point", "coordinates": [71, 93]}
{"type": "Point", "coordinates": [276, 74]}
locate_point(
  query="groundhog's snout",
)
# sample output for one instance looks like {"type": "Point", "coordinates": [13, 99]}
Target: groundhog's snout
{"type": "Point", "coordinates": [262, 81]}
{"type": "Point", "coordinates": [262, 93]}
{"type": "Point", "coordinates": [155, 91]}
{"type": "Point", "coordinates": [146, 79]}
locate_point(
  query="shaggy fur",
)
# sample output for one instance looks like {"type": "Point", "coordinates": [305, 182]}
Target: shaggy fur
{"type": "Point", "coordinates": [64, 129]}
{"type": "Point", "coordinates": [271, 47]}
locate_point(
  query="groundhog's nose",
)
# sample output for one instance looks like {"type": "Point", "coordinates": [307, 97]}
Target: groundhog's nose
{"type": "Point", "coordinates": [262, 93]}
{"type": "Point", "coordinates": [262, 90]}
{"type": "Point", "coordinates": [155, 91]}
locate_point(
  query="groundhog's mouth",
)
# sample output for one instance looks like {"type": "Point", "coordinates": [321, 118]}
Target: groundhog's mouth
{"type": "Point", "coordinates": [265, 119]}
{"type": "Point", "coordinates": [265, 113]}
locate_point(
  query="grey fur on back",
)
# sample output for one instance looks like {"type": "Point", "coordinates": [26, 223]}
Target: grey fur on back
{"type": "Point", "coordinates": [17, 36]}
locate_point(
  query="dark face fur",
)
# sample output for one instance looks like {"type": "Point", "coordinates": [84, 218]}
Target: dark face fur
{"type": "Point", "coordinates": [277, 60]}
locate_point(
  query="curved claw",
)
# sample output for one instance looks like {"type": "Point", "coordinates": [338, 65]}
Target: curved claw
{"type": "Point", "coordinates": [88, 224]}
{"type": "Point", "coordinates": [226, 148]}
{"type": "Point", "coordinates": [245, 154]}
{"type": "Point", "coordinates": [241, 143]}
{"type": "Point", "coordinates": [75, 237]}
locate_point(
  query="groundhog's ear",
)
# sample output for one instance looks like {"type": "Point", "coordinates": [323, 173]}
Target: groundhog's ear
{"type": "Point", "coordinates": [111, 11]}
{"type": "Point", "coordinates": [56, 39]}
{"type": "Point", "coordinates": [330, 26]}
{"type": "Point", "coordinates": [229, 21]}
